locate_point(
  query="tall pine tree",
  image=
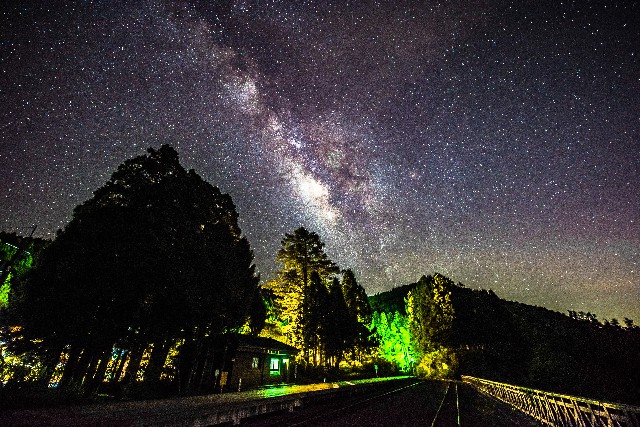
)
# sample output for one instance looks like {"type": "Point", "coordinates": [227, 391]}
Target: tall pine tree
{"type": "Point", "coordinates": [301, 254]}
{"type": "Point", "coordinates": [360, 312]}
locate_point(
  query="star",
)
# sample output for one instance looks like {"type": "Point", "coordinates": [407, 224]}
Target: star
{"type": "Point", "coordinates": [492, 143]}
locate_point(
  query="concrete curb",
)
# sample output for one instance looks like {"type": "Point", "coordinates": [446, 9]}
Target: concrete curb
{"type": "Point", "coordinates": [187, 411]}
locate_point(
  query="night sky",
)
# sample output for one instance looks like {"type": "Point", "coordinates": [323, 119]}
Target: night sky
{"type": "Point", "coordinates": [496, 142]}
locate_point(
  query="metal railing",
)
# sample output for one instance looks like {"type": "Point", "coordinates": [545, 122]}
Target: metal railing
{"type": "Point", "coordinates": [557, 409]}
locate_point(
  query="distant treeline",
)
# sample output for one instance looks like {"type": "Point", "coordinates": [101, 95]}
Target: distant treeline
{"type": "Point", "coordinates": [532, 346]}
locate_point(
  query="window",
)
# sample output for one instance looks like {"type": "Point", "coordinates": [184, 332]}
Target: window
{"type": "Point", "coordinates": [255, 363]}
{"type": "Point", "coordinates": [275, 365]}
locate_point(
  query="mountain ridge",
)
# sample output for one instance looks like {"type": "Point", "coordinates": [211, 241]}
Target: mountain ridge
{"type": "Point", "coordinates": [531, 346]}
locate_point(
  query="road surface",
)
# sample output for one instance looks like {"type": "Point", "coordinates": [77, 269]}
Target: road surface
{"type": "Point", "coordinates": [414, 403]}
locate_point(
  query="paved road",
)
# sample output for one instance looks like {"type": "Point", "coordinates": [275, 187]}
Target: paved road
{"type": "Point", "coordinates": [396, 402]}
{"type": "Point", "coordinates": [415, 403]}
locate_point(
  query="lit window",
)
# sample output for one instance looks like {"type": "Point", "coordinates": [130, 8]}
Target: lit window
{"type": "Point", "coordinates": [275, 365]}
{"type": "Point", "coordinates": [255, 362]}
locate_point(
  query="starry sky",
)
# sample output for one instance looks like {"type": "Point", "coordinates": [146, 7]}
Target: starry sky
{"type": "Point", "coordinates": [496, 142]}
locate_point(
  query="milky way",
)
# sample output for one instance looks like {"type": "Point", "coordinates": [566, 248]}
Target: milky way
{"type": "Point", "coordinates": [493, 142]}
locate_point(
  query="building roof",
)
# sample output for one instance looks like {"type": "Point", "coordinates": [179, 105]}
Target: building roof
{"type": "Point", "coordinates": [263, 344]}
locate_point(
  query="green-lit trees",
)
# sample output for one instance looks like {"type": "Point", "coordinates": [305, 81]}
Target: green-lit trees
{"type": "Point", "coordinates": [418, 332]}
{"type": "Point", "coordinates": [301, 254]}
{"type": "Point", "coordinates": [430, 313]}
{"type": "Point", "coordinates": [155, 256]}
{"type": "Point", "coordinates": [394, 339]}
{"type": "Point", "coordinates": [17, 254]}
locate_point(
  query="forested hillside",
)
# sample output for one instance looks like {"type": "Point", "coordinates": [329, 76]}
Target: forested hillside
{"type": "Point", "coordinates": [532, 346]}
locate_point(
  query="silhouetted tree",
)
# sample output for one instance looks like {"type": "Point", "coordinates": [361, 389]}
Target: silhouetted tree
{"type": "Point", "coordinates": [313, 326]}
{"type": "Point", "coordinates": [155, 255]}
{"type": "Point", "coordinates": [358, 305]}
{"type": "Point", "coordinates": [356, 297]}
{"type": "Point", "coordinates": [342, 326]}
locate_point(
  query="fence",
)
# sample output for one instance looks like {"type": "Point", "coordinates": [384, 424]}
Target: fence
{"type": "Point", "coordinates": [557, 409]}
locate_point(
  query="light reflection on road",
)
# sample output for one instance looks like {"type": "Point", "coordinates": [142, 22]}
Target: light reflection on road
{"type": "Point", "coordinates": [285, 390]}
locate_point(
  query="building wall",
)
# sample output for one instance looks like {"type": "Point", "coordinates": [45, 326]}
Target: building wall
{"type": "Point", "coordinates": [257, 373]}
{"type": "Point", "coordinates": [243, 367]}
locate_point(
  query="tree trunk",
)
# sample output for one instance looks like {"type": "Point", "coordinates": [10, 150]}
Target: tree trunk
{"type": "Point", "coordinates": [93, 381]}
{"type": "Point", "coordinates": [119, 366]}
{"type": "Point", "coordinates": [102, 369]}
{"type": "Point", "coordinates": [157, 360]}
{"type": "Point", "coordinates": [70, 366]}
{"type": "Point", "coordinates": [90, 371]}
{"type": "Point", "coordinates": [80, 369]}
{"type": "Point", "coordinates": [207, 368]}
{"type": "Point", "coordinates": [196, 363]}
{"type": "Point", "coordinates": [51, 360]}
{"type": "Point", "coordinates": [338, 359]}
{"type": "Point", "coordinates": [196, 369]}
{"type": "Point", "coordinates": [134, 364]}
{"type": "Point", "coordinates": [185, 364]}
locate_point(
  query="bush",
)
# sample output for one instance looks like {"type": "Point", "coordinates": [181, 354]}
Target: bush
{"type": "Point", "coordinates": [438, 364]}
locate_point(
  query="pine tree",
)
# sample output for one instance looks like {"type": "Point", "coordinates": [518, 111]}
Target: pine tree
{"type": "Point", "coordinates": [342, 326]}
{"type": "Point", "coordinates": [302, 254]}
{"type": "Point", "coordinates": [356, 298]}
{"type": "Point", "coordinates": [360, 311]}
{"type": "Point", "coordinates": [314, 319]}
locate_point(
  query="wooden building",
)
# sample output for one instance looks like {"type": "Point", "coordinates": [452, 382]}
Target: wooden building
{"type": "Point", "coordinates": [245, 361]}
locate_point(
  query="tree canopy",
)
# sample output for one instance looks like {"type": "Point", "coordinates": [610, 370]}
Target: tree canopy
{"type": "Point", "coordinates": [155, 255]}
{"type": "Point", "coordinates": [395, 343]}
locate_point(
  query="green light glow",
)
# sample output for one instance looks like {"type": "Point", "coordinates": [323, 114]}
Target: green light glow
{"type": "Point", "coordinates": [274, 366]}
{"type": "Point", "coordinates": [21, 265]}
{"type": "Point", "coordinates": [394, 336]}
{"type": "Point", "coordinates": [4, 292]}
